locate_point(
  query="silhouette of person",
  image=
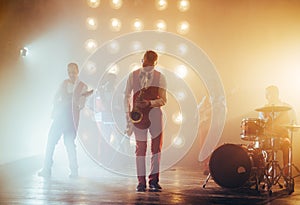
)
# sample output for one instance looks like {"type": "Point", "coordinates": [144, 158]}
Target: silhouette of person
{"type": "Point", "coordinates": [275, 121]}
{"type": "Point", "coordinates": [148, 87]}
{"type": "Point", "coordinates": [68, 101]}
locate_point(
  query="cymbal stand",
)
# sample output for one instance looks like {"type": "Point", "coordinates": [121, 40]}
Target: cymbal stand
{"type": "Point", "coordinates": [273, 171]}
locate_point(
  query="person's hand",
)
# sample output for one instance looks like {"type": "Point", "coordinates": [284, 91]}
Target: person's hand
{"type": "Point", "coordinates": [142, 104]}
{"type": "Point", "coordinates": [129, 129]}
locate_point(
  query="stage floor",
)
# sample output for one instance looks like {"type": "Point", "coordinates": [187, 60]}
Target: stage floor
{"type": "Point", "coordinates": [95, 185]}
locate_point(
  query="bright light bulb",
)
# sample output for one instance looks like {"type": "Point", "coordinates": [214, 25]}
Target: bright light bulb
{"type": "Point", "coordinates": [91, 45]}
{"type": "Point", "coordinates": [115, 24]}
{"type": "Point", "coordinates": [161, 4]}
{"type": "Point", "coordinates": [138, 25]}
{"type": "Point", "coordinates": [93, 3]}
{"type": "Point", "coordinates": [183, 27]}
{"type": "Point", "coordinates": [116, 4]}
{"type": "Point", "coordinates": [91, 23]}
{"type": "Point", "coordinates": [183, 5]}
{"type": "Point", "coordinates": [177, 118]}
{"type": "Point", "coordinates": [161, 25]}
{"type": "Point", "coordinates": [181, 71]}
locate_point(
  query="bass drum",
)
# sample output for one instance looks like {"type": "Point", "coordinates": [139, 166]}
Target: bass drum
{"type": "Point", "coordinates": [234, 166]}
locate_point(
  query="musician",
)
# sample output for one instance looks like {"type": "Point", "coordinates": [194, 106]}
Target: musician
{"type": "Point", "coordinates": [275, 122]}
{"type": "Point", "coordinates": [68, 101]}
{"type": "Point", "coordinates": [149, 94]}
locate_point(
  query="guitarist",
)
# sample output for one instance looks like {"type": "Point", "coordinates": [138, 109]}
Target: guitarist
{"type": "Point", "coordinates": [68, 102]}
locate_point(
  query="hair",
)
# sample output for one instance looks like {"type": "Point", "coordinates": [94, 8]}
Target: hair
{"type": "Point", "coordinates": [73, 65]}
{"type": "Point", "coordinates": [151, 56]}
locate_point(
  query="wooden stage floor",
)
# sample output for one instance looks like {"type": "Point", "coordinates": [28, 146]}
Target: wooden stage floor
{"type": "Point", "coordinates": [95, 185]}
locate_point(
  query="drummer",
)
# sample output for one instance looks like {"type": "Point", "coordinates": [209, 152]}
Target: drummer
{"type": "Point", "coordinates": [276, 118]}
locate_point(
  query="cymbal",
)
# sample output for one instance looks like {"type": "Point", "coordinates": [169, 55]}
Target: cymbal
{"type": "Point", "coordinates": [273, 108]}
{"type": "Point", "coordinates": [291, 126]}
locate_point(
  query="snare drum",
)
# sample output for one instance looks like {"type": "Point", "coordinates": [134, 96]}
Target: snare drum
{"type": "Point", "coordinates": [252, 129]}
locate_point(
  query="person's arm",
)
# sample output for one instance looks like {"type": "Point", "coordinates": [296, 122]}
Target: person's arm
{"type": "Point", "coordinates": [127, 107]}
{"type": "Point", "coordinates": [162, 96]}
{"type": "Point", "coordinates": [128, 93]}
{"type": "Point", "coordinates": [80, 94]}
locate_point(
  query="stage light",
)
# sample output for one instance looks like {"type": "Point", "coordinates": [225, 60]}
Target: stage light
{"type": "Point", "coordinates": [113, 47]}
{"type": "Point", "coordinates": [180, 95]}
{"type": "Point", "coordinates": [114, 69]}
{"type": "Point", "coordinates": [116, 4]}
{"type": "Point", "coordinates": [24, 52]}
{"type": "Point", "coordinates": [161, 25]}
{"type": "Point", "coordinates": [93, 3]}
{"type": "Point", "coordinates": [91, 23]}
{"type": "Point", "coordinates": [161, 4]}
{"type": "Point", "coordinates": [181, 71]}
{"type": "Point", "coordinates": [178, 142]}
{"type": "Point", "coordinates": [177, 118]}
{"type": "Point", "coordinates": [183, 27]}
{"type": "Point", "coordinates": [91, 45]}
{"type": "Point", "coordinates": [136, 46]}
{"type": "Point", "coordinates": [183, 5]}
{"type": "Point", "coordinates": [115, 24]}
{"type": "Point", "coordinates": [182, 49]}
{"type": "Point", "coordinates": [90, 67]}
{"type": "Point", "coordinates": [137, 25]}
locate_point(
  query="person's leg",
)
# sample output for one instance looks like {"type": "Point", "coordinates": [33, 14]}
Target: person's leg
{"type": "Point", "coordinates": [53, 137]}
{"type": "Point", "coordinates": [140, 152]}
{"type": "Point", "coordinates": [156, 147]}
{"type": "Point", "coordinates": [69, 141]}
{"type": "Point", "coordinates": [285, 144]}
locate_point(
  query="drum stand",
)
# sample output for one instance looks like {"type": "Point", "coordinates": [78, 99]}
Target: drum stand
{"type": "Point", "coordinates": [273, 171]}
{"type": "Point", "coordinates": [206, 180]}
{"type": "Point", "coordinates": [289, 179]}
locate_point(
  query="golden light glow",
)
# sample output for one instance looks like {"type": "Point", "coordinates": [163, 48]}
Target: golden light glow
{"type": "Point", "coordinates": [115, 24]}
{"type": "Point", "coordinates": [90, 45]}
{"type": "Point", "coordinates": [113, 47]}
{"type": "Point", "coordinates": [116, 4]}
{"type": "Point", "coordinates": [161, 4]}
{"type": "Point", "coordinates": [161, 25]}
{"type": "Point", "coordinates": [91, 23]}
{"type": "Point", "coordinates": [137, 25]}
{"type": "Point", "coordinates": [181, 71]}
{"type": "Point", "coordinates": [178, 142]}
{"type": "Point", "coordinates": [91, 67]}
{"type": "Point", "coordinates": [180, 95]}
{"type": "Point", "coordinates": [182, 49]}
{"type": "Point", "coordinates": [183, 5]}
{"type": "Point", "coordinates": [93, 3]}
{"type": "Point", "coordinates": [177, 118]}
{"type": "Point", "coordinates": [183, 27]}
{"type": "Point", "coordinates": [114, 69]}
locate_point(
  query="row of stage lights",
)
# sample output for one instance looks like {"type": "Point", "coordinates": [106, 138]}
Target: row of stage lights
{"type": "Point", "coordinates": [137, 24]}
{"type": "Point", "coordinates": [182, 5]}
{"type": "Point", "coordinates": [115, 25]}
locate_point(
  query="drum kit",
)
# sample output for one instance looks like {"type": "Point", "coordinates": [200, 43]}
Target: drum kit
{"type": "Point", "coordinates": [256, 164]}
